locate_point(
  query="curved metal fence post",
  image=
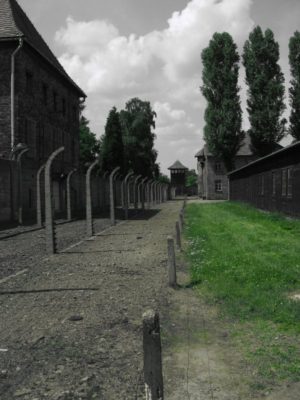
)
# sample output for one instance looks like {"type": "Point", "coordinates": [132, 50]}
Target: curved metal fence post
{"type": "Point", "coordinates": [49, 223]}
{"type": "Point", "coordinates": [149, 184]}
{"type": "Point", "coordinates": [139, 193]}
{"type": "Point", "coordinates": [143, 192]}
{"type": "Point", "coordinates": [88, 198]}
{"type": "Point", "coordinates": [20, 185]}
{"type": "Point", "coordinates": [106, 173]}
{"type": "Point", "coordinates": [152, 192]}
{"type": "Point", "coordinates": [126, 193]}
{"type": "Point", "coordinates": [111, 196]}
{"type": "Point", "coordinates": [69, 206]}
{"type": "Point", "coordinates": [160, 193]}
{"type": "Point", "coordinates": [135, 192]}
{"type": "Point", "coordinates": [39, 217]}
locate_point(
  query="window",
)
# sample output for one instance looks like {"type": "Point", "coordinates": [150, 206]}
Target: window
{"type": "Point", "coordinates": [30, 137]}
{"type": "Point", "coordinates": [218, 186]}
{"type": "Point", "coordinates": [29, 198]}
{"type": "Point", "coordinates": [45, 94]}
{"type": "Point", "coordinates": [273, 184]}
{"type": "Point", "coordinates": [283, 182]}
{"type": "Point", "coordinates": [218, 167]}
{"type": "Point", "coordinates": [54, 101]}
{"type": "Point", "coordinates": [41, 141]}
{"type": "Point", "coordinates": [29, 82]}
{"type": "Point", "coordinates": [63, 103]}
{"type": "Point", "coordinates": [289, 183]}
{"type": "Point", "coordinates": [74, 112]}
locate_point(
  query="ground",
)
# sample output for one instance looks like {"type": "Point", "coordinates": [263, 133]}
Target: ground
{"type": "Point", "coordinates": [71, 323]}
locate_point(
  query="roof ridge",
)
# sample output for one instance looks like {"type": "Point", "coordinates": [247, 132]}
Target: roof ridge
{"type": "Point", "coordinates": [15, 23]}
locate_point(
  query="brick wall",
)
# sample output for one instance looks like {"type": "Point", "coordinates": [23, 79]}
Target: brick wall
{"type": "Point", "coordinates": [6, 50]}
{"type": "Point", "coordinates": [47, 111]}
{"type": "Point", "coordinates": [8, 188]}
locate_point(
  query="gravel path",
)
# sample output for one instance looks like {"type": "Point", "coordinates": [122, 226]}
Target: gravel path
{"type": "Point", "coordinates": [71, 324]}
{"type": "Point", "coordinates": [23, 246]}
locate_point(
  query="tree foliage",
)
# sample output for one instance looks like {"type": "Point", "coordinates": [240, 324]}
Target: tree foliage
{"type": "Point", "coordinates": [112, 149]}
{"type": "Point", "coordinates": [294, 58]}
{"type": "Point", "coordinates": [265, 91]}
{"type": "Point", "coordinates": [223, 114]}
{"type": "Point", "coordinates": [89, 145]}
{"type": "Point", "coordinates": [191, 178]}
{"type": "Point", "coordinates": [137, 121]}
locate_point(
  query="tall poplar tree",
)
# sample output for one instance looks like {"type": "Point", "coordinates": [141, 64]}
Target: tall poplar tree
{"type": "Point", "coordinates": [138, 120]}
{"type": "Point", "coordinates": [112, 143]}
{"type": "Point", "coordinates": [294, 57]}
{"type": "Point", "coordinates": [223, 115]}
{"type": "Point", "coordinates": [265, 91]}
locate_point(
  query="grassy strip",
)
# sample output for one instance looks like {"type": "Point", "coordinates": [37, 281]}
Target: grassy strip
{"type": "Point", "coordinates": [249, 263]}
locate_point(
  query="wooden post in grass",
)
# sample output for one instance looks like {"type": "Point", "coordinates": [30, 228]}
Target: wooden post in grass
{"type": "Point", "coordinates": [152, 356]}
{"type": "Point", "coordinates": [171, 262]}
{"type": "Point", "coordinates": [178, 239]}
{"type": "Point", "coordinates": [181, 220]}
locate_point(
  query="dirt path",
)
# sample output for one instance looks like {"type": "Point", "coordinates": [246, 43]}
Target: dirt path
{"type": "Point", "coordinates": [71, 324]}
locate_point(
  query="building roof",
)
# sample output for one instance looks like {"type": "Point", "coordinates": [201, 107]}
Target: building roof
{"type": "Point", "coordinates": [14, 24]}
{"type": "Point", "coordinates": [178, 165]}
{"type": "Point", "coordinates": [294, 147]}
{"type": "Point", "coordinates": [244, 150]}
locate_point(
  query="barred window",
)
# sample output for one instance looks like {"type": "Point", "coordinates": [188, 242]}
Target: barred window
{"type": "Point", "coordinates": [218, 186]}
{"type": "Point", "coordinates": [29, 82]}
{"type": "Point", "coordinates": [218, 167]}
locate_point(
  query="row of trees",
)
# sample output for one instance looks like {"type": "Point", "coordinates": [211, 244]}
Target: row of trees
{"type": "Point", "coordinates": [265, 104]}
{"type": "Point", "coordinates": [128, 141]}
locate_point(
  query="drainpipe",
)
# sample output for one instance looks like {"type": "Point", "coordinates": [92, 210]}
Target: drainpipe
{"type": "Point", "coordinates": [12, 94]}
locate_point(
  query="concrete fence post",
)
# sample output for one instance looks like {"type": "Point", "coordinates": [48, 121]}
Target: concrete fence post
{"type": "Point", "coordinates": [69, 194]}
{"type": "Point", "coordinates": [104, 176]}
{"type": "Point", "coordinates": [178, 238]}
{"type": "Point", "coordinates": [135, 192]}
{"type": "Point", "coordinates": [143, 193]}
{"type": "Point", "coordinates": [89, 205]}
{"type": "Point", "coordinates": [139, 194]}
{"type": "Point", "coordinates": [153, 193]}
{"type": "Point", "coordinates": [126, 193]}
{"type": "Point", "coordinates": [171, 262]}
{"type": "Point", "coordinates": [49, 220]}
{"type": "Point", "coordinates": [39, 216]}
{"type": "Point", "coordinates": [149, 185]}
{"type": "Point", "coordinates": [181, 220]}
{"type": "Point", "coordinates": [111, 196]}
{"type": "Point", "coordinates": [153, 376]}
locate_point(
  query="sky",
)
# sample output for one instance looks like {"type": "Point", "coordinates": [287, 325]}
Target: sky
{"type": "Point", "coordinates": [119, 49]}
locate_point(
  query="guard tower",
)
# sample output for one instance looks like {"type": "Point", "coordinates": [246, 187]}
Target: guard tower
{"type": "Point", "coordinates": [178, 176]}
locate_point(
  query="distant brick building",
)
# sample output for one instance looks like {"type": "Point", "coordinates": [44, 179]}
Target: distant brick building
{"type": "Point", "coordinates": [178, 178]}
{"type": "Point", "coordinates": [39, 102]}
{"type": "Point", "coordinates": [212, 174]}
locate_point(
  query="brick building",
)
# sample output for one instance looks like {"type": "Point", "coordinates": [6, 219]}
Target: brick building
{"type": "Point", "coordinates": [212, 174]}
{"type": "Point", "coordinates": [39, 103]}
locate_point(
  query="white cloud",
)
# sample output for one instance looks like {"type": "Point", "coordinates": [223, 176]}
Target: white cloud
{"type": "Point", "coordinates": [163, 67]}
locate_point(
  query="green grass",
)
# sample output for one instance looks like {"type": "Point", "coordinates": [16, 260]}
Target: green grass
{"type": "Point", "coordinates": [248, 262]}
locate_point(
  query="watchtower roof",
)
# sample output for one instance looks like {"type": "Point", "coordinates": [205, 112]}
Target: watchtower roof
{"type": "Point", "coordinates": [178, 165]}
{"type": "Point", "coordinates": [14, 25]}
